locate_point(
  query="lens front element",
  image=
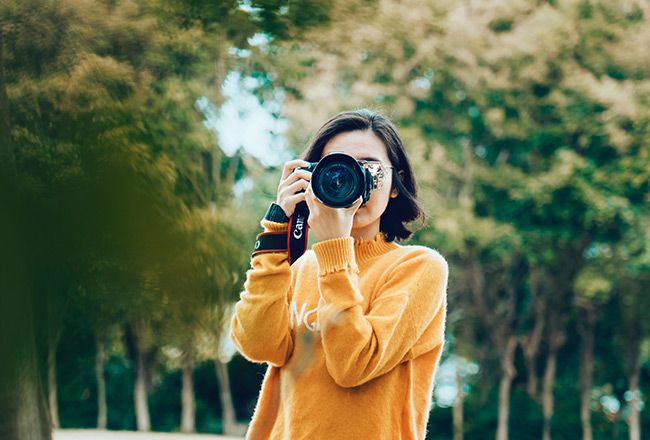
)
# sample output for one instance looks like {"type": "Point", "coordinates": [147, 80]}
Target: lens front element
{"type": "Point", "coordinates": [338, 180]}
{"type": "Point", "coordinates": [339, 183]}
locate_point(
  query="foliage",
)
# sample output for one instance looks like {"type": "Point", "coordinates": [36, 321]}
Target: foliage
{"type": "Point", "coordinates": [527, 124]}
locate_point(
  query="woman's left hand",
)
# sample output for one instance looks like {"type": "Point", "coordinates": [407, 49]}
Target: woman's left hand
{"type": "Point", "coordinates": [327, 223]}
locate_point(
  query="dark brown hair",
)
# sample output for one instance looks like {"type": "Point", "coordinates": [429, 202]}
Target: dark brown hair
{"type": "Point", "coordinates": [405, 207]}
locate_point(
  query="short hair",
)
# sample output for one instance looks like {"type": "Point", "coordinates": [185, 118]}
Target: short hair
{"type": "Point", "coordinates": [405, 207]}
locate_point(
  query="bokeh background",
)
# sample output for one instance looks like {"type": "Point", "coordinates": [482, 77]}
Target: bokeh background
{"type": "Point", "coordinates": [141, 143]}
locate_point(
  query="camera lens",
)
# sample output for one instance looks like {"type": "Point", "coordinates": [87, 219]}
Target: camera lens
{"type": "Point", "coordinates": [338, 180]}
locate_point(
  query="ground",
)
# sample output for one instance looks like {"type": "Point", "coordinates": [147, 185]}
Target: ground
{"type": "Point", "coordinates": [93, 434]}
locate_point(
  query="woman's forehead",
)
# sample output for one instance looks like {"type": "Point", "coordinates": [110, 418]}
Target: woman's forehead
{"type": "Point", "coordinates": [362, 145]}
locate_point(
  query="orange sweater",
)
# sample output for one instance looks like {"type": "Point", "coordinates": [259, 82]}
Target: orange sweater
{"type": "Point", "coordinates": [352, 332]}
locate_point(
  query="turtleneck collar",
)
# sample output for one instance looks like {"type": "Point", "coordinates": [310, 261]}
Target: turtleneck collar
{"type": "Point", "coordinates": [365, 249]}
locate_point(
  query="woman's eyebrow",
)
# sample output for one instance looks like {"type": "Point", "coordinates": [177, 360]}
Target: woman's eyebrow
{"type": "Point", "coordinates": [370, 158]}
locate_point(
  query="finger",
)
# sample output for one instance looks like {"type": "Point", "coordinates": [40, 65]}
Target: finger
{"type": "Point", "coordinates": [356, 204]}
{"type": "Point", "coordinates": [295, 187]}
{"type": "Point", "coordinates": [296, 198]}
{"type": "Point", "coordinates": [296, 175]}
{"type": "Point", "coordinates": [309, 197]}
{"type": "Point", "coordinates": [291, 165]}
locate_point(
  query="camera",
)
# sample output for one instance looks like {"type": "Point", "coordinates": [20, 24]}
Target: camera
{"type": "Point", "coordinates": [338, 179]}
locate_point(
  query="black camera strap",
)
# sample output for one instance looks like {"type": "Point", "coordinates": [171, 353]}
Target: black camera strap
{"type": "Point", "coordinates": [293, 241]}
{"type": "Point", "coordinates": [270, 242]}
{"type": "Point", "coordinates": [298, 232]}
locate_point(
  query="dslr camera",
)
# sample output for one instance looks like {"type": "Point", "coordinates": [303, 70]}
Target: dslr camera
{"type": "Point", "coordinates": [339, 179]}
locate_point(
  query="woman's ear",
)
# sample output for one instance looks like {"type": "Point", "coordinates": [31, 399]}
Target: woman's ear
{"type": "Point", "coordinates": [394, 192]}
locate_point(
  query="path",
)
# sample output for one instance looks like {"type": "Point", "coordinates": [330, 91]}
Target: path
{"type": "Point", "coordinates": [93, 434]}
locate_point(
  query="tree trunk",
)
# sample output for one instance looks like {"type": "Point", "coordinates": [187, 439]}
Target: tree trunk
{"type": "Point", "coordinates": [7, 159]}
{"type": "Point", "coordinates": [547, 393]}
{"type": "Point", "coordinates": [634, 370]}
{"type": "Point", "coordinates": [635, 406]}
{"type": "Point", "coordinates": [23, 407]}
{"type": "Point", "coordinates": [457, 409]}
{"type": "Point", "coordinates": [140, 389]}
{"type": "Point", "coordinates": [51, 386]}
{"type": "Point", "coordinates": [633, 297]}
{"type": "Point", "coordinates": [228, 419]}
{"type": "Point", "coordinates": [586, 328]}
{"type": "Point", "coordinates": [531, 343]}
{"type": "Point", "coordinates": [25, 415]}
{"type": "Point", "coordinates": [188, 419]}
{"type": "Point", "coordinates": [556, 340]}
{"type": "Point", "coordinates": [507, 375]}
{"type": "Point", "coordinates": [102, 409]}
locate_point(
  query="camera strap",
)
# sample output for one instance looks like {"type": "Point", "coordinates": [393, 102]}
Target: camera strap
{"type": "Point", "coordinates": [298, 232]}
{"type": "Point", "coordinates": [293, 241]}
{"type": "Point", "coordinates": [270, 242]}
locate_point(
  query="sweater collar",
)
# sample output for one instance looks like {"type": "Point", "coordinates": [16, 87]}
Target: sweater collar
{"type": "Point", "coordinates": [365, 249]}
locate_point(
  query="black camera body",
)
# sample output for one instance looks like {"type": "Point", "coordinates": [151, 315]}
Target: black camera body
{"type": "Point", "coordinates": [338, 180]}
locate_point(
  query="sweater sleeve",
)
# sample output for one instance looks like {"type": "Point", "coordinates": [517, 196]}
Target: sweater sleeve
{"type": "Point", "coordinates": [260, 323]}
{"type": "Point", "coordinates": [361, 346]}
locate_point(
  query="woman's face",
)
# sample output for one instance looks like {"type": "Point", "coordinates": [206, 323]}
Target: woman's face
{"type": "Point", "coordinates": [365, 145]}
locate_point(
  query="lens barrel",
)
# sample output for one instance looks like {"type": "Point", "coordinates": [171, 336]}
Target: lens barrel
{"type": "Point", "coordinates": [338, 180]}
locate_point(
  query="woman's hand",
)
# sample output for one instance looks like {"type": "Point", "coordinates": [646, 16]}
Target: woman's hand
{"type": "Point", "coordinates": [327, 223]}
{"type": "Point", "coordinates": [292, 181]}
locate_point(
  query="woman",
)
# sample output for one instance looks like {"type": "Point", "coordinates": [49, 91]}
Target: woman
{"type": "Point", "coordinates": [353, 330]}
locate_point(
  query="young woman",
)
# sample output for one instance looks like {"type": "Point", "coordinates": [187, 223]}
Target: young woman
{"type": "Point", "coordinates": [353, 330]}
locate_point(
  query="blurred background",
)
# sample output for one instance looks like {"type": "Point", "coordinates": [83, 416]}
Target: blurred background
{"type": "Point", "coordinates": [142, 141]}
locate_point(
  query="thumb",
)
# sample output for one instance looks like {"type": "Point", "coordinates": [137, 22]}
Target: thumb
{"type": "Point", "coordinates": [356, 204]}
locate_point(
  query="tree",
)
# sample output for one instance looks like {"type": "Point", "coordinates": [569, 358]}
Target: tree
{"type": "Point", "coordinates": [551, 113]}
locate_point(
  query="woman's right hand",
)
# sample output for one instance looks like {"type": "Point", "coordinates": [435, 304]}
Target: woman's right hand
{"type": "Point", "coordinates": [291, 189]}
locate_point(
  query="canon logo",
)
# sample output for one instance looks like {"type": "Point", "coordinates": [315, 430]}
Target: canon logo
{"type": "Point", "coordinates": [297, 229]}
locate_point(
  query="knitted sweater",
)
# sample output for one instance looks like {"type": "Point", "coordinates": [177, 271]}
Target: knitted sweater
{"type": "Point", "coordinates": [352, 332]}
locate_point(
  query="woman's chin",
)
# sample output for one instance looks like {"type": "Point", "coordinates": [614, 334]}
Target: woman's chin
{"type": "Point", "coordinates": [358, 221]}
